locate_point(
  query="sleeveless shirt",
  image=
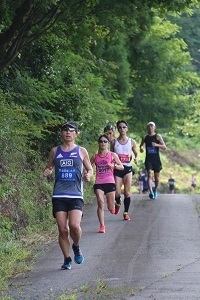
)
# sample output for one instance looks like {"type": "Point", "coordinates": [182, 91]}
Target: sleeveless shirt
{"type": "Point", "coordinates": [124, 151]}
{"type": "Point", "coordinates": [68, 174]}
{"type": "Point", "coordinates": [152, 153]}
{"type": "Point", "coordinates": [171, 181]}
{"type": "Point", "coordinates": [104, 174]}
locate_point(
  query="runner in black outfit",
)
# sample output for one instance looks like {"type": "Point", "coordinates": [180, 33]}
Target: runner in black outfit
{"type": "Point", "coordinates": [153, 143]}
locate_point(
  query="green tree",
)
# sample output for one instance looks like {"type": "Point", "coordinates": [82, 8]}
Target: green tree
{"type": "Point", "coordinates": [190, 32]}
{"type": "Point", "coordinates": [161, 77]}
{"type": "Point", "coordinates": [22, 22]}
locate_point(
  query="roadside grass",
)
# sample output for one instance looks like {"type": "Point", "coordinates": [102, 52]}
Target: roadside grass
{"type": "Point", "coordinates": [182, 167]}
{"type": "Point", "coordinates": [198, 207]}
{"type": "Point", "coordinates": [6, 298]}
{"type": "Point", "coordinates": [17, 254]}
{"type": "Point", "coordinates": [99, 291]}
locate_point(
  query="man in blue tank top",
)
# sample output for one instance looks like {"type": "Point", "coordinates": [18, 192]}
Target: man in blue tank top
{"type": "Point", "coordinates": [153, 143]}
{"type": "Point", "coordinates": [68, 159]}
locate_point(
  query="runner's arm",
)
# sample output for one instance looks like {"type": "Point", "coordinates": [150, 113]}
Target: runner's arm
{"type": "Point", "coordinates": [142, 145]}
{"type": "Point", "coordinates": [87, 164]}
{"type": "Point", "coordinates": [134, 149]}
{"type": "Point", "coordinates": [116, 162]}
{"type": "Point", "coordinates": [112, 144]}
{"type": "Point", "coordinates": [161, 144]}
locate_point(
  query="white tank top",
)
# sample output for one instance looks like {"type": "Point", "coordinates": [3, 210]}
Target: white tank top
{"type": "Point", "coordinates": [124, 151]}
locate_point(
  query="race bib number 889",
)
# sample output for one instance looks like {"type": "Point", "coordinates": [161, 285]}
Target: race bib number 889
{"type": "Point", "coordinates": [67, 174]}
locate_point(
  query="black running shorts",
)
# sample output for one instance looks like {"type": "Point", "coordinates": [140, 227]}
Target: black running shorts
{"type": "Point", "coordinates": [105, 187]}
{"type": "Point", "coordinates": [153, 165]}
{"type": "Point", "coordinates": [122, 173]}
{"type": "Point", "coordinates": [67, 204]}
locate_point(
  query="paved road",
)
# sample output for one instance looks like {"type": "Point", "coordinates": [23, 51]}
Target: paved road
{"type": "Point", "coordinates": [157, 253]}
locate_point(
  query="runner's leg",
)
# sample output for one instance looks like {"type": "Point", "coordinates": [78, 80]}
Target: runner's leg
{"type": "Point", "coordinates": [100, 206]}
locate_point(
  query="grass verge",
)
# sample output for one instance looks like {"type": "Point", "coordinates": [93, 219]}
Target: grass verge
{"type": "Point", "coordinates": [18, 253]}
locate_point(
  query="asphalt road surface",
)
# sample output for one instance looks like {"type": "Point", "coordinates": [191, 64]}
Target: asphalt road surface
{"type": "Point", "coordinates": [157, 253]}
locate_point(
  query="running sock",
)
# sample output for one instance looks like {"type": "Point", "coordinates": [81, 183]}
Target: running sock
{"type": "Point", "coordinates": [118, 200]}
{"type": "Point", "coordinates": [67, 259]}
{"type": "Point", "coordinates": [127, 203]}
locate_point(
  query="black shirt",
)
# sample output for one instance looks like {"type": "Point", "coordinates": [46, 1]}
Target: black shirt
{"type": "Point", "coordinates": [152, 153]}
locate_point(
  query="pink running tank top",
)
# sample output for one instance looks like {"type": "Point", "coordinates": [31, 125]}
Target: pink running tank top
{"type": "Point", "coordinates": [104, 174]}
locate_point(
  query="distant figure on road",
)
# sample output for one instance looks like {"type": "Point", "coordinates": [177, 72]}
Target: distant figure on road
{"type": "Point", "coordinates": [193, 182]}
{"type": "Point", "coordinates": [145, 182]}
{"type": "Point", "coordinates": [68, 160]}
{"type": "Point", "coordinates": [153, 142]}
{"type": "Point", "coordinates": [124, 146]}
{"type": "Point", "coordinates": [105, 162]}
{"type": "Point", "coordinates": [171, 182]}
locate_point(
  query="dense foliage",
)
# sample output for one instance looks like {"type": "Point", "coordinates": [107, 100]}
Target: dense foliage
{"type": "Point", "coordinates": [68, 60]}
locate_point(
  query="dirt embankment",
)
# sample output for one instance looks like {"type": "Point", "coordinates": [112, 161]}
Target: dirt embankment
{"type": "Point", "coordinates": [190, 158]}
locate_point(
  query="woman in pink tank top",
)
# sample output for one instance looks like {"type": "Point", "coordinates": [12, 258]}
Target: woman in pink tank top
{"type": "Point", "coordinates": [105, 162]}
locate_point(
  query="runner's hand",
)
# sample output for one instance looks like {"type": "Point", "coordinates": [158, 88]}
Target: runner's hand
{"type": "Point", "coordinates": [86, 176]}
{"type": "Point", "coordinates": [48, 171]}
{"type": "Point", "coordinates": [141, 149]}
{"type": "Point", "coordinates": [111, 165]}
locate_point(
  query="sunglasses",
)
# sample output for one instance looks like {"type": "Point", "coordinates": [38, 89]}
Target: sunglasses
{"type": "Point", "coordinates": [71, 129]}
{"type": "Point", "coordinates": [103, 141]}
{"type": "Point", "coordinates": [122, 127]}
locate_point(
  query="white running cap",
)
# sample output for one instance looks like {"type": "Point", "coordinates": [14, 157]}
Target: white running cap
{"type": "Point", "coordinates": [151, 123]}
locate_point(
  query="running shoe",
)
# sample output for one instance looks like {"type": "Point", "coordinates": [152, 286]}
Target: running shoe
{"type": "Point", "coordinates": [102, 229]}
{"type": "Point", "coordinates": [126, 216]}
{"type": "Point", "coordinates": [78, 257]}
{"type": "Point", "coordinates": [151, 195]}
{"type": "Point", "coordinates": [155, 194]}
{"type": "Point", "coordinates": [117, 208]}
{"type": "Point", "coordinates": [67, 264]}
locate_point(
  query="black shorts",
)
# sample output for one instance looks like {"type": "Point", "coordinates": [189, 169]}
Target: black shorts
{"type": "Point", "coordinates": [67, 204]}
{"type": "Point", "coordinates": [105, 187]}
{"type": "Point", "coordinates": [122, 173]}
{"type": "Point", "coordinates": [171, 187]}
{"type": "Point", "coordinates": [156, 166]}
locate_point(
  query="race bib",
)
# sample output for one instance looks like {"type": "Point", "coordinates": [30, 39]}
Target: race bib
{"type": "Point", "coordinates": [67, 174]}
{"type": "Point", "coordinates": [124, 158]}
{"type": "Point", "coordinates": [103, 169]}
{"type": "Point", "coordinates": [151, 150]}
